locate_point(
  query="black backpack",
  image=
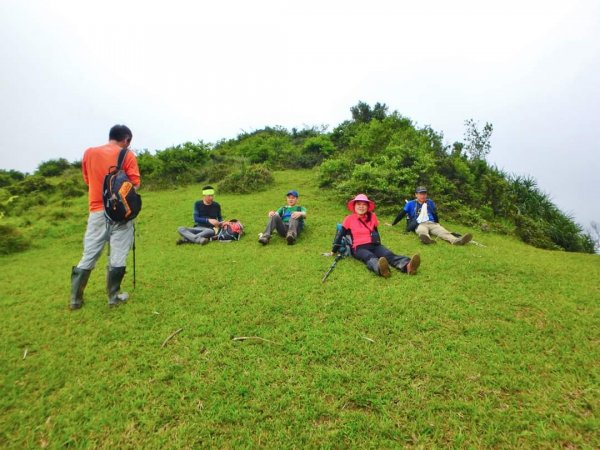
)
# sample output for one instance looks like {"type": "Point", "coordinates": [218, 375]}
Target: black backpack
{"type": "Point", "coordinates": [122, 203]}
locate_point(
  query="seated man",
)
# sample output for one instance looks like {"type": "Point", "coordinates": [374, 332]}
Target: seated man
{"type": "Point", "coordinates": [287, 220]}
{"type": "Point", "coordinates": [423, 219]}
{"type": "Point", "coordinates": [207, 218]}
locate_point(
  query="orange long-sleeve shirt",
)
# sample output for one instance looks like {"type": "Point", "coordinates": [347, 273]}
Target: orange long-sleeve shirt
{"type": "Point", "coordinates": [95, 165]}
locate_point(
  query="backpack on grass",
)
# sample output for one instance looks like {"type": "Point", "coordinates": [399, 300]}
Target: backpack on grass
{"type": "Point", "coordinates": [231, 231]}
{"type": "Point", "coordinates": [122, 203]}
{"type": "Point", "coordinates": [342, 243]}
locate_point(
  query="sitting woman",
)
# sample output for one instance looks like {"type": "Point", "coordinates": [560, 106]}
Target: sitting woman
{"type": "Point", "coordinates": [366, 244]}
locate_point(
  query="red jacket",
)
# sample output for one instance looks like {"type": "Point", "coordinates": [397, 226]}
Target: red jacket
{"type": "Point", "coordinates": [361, 228]}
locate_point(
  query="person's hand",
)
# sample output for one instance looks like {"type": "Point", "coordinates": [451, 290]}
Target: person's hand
{"type": "Point", "coordinates": [297, 214]}
{"type": "Point", "coordinates": [213, 222]}
{"type": "Point", "coordinates": [272, 213]}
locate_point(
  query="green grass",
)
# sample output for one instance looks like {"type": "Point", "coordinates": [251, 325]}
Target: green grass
{"type": "Point", "coordinates": [492, 346]}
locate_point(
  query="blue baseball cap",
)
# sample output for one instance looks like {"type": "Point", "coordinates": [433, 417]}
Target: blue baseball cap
{"type": "Point", "coordinates": [292, 192]}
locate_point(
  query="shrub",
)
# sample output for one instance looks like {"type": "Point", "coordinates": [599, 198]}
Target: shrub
{"type": "Point", "coordinates": [334, 171]}
{"type": "Point", "coordinates": [53, 167]}
{"type": "Point", "coordinates": [534, 233]}
{"type": "Point", "coordinates": [11, 240]}
{"type": "Point", "coordinates": [315, 150]}
{"type": "Point", "coordinates": [71, 188]}
{"type": "Point", "coordinates": [8, 177]}
{"type": "Point", "coordinates": [247, 179]}
{"type": "Point", "coordinates": [30, 184]}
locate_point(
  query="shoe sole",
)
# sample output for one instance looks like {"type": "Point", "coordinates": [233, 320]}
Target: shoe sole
{"type": "Point", "coordinates": [426, 239]}
{"type": "Point", "coordinates": [384, 268]}
{"type": "Point", "coordinates": [413, 265]}
{"type": "Point", "coordinates": [466, 238]}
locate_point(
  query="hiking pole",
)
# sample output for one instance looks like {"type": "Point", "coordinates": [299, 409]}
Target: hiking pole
{"type": "Point", "coordinates": [134, 255]}
{"type": "Point", "coordinates": [335, 261]}
{"type": "Point", "coordinates": [476, 243]}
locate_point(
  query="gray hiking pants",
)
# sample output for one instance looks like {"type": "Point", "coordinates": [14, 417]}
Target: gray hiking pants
{"type": "Point", "coordinates": [275, 223]}
{"type": "Point", "coordinates": [194, 234]}
{"type": "Point", "coordinates": [99, 231]}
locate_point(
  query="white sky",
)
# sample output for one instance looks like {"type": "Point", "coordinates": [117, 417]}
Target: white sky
{"type": "Point", "coordinates": [184, 70]}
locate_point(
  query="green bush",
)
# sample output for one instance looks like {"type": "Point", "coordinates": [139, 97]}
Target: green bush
{"type": "Point", "coordinates": [31, 184]}
{"type": "Point", "coordinates": [334, 171]}
{"type": "Point", "coordinates": [11, 240]}
{"type": "Point", "coordinates": [53, 167]}
{"type": "Point", "coordinates": [247, 179]}
{"type": "Point", "coordinates": [534, 233]}
{"type": "Point", "coordinates": [71, 188]}
{"type": "Point", "coordinates": [8, 177]}
{"type": "Point", "coordinates": [315, 150]}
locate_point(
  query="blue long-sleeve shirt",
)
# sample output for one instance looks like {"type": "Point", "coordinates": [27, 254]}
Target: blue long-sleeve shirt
{"type": "Point", "coordinates": [204, 212]}
{"type": "Point", "coordinates": [413, 208]}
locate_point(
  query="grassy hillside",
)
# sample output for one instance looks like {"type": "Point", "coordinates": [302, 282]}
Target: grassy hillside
{"type": "Point", "coordinates": [493, 346]}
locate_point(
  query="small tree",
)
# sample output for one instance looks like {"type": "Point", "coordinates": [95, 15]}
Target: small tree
{"type": "Point", "coordinates": [53, 167]}
{"type": "Point", "coordinates": [478, 143]}
{"type": "Point", "coordinates": [363, 113]}
{"type": "Point", "coordinates": [594, 234]}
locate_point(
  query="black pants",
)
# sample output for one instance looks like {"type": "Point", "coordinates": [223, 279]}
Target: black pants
{"type": "Point", "coordinates": [367, 252]}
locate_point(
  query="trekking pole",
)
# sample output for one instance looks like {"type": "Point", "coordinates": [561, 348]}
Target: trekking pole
{"type": "Point", "coordinates": [476, 243]}
{"type": "Point", "coordinates": [335, 261]}
{"type": "Point", "coordinates": [134, 255]}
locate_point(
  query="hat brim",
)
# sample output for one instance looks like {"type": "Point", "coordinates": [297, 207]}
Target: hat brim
{"type": "Point", "coordinates": [350, 205]}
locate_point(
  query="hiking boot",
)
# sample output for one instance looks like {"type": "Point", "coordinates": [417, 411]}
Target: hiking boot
{"type": "Point", "coordinates": [291, 239]}
{"type": "Point", "coordinates": [264, 239]}
{"type": "Point", "coordinates": [182, 241]}
{"type": "Point", "coordinates": [79, 279]}
{"type": "Point", "coordinates": [413, 265]}
{"type": "Point", "coordinates": [114, 277]}
{"type": "Point", "coordinates": [203, 241]}
{"type": "Point", "coordinates": [384, 267]}
{"type": "Point", "coordinates": [464, 239]}
{"type": "Point", "coordinates": [425, 239]}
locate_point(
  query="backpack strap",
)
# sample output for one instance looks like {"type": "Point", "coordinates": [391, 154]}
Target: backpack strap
{"type": "Point", "coordinates": [122, 154]}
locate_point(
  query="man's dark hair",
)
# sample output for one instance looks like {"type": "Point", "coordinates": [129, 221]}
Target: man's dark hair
{"type": "Point", "coordinates": [120, 133]}
{"type": "Point", "coordinates": [207, 187]}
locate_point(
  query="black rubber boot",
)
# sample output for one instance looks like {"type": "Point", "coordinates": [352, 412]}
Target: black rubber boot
{"type": "Point", "coordinates": [114, 276]}
{"type": "Point", "coordinates": [79, 279]}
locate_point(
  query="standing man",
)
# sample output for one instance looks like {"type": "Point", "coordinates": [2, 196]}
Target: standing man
{"type": "Point", "coordinates": [287, 220]}
{"type": "Point", "coordinates": [207, 218]}
{"type": "Point", "coordinates": [100, 230]}
{"type": "Point", "coordinates": [423, 219]}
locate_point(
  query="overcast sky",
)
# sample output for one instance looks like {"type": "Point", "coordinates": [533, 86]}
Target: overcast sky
{"type": "Point", "coordinates": [180, 71]}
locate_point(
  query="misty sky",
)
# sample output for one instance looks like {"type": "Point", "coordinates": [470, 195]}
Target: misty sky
{"type": "Point", "coordinates": [182, 71]}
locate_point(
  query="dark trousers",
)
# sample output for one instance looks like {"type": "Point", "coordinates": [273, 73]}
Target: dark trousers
{"type": "Point", "coordinates": [293, 227]}
{"type": "Point", "coordinates": [368, 252]}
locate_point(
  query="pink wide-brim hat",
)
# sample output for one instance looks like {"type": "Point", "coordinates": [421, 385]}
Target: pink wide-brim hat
{"type": "Point", "coordinates": [361, 198]}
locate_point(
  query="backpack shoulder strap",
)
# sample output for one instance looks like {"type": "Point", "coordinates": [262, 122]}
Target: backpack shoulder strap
{"type": "Point", "coordinates": [122, 154]}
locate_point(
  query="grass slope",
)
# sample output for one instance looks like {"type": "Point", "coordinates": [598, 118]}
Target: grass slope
{"type": "Point", "coordinates": [492, 346]}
